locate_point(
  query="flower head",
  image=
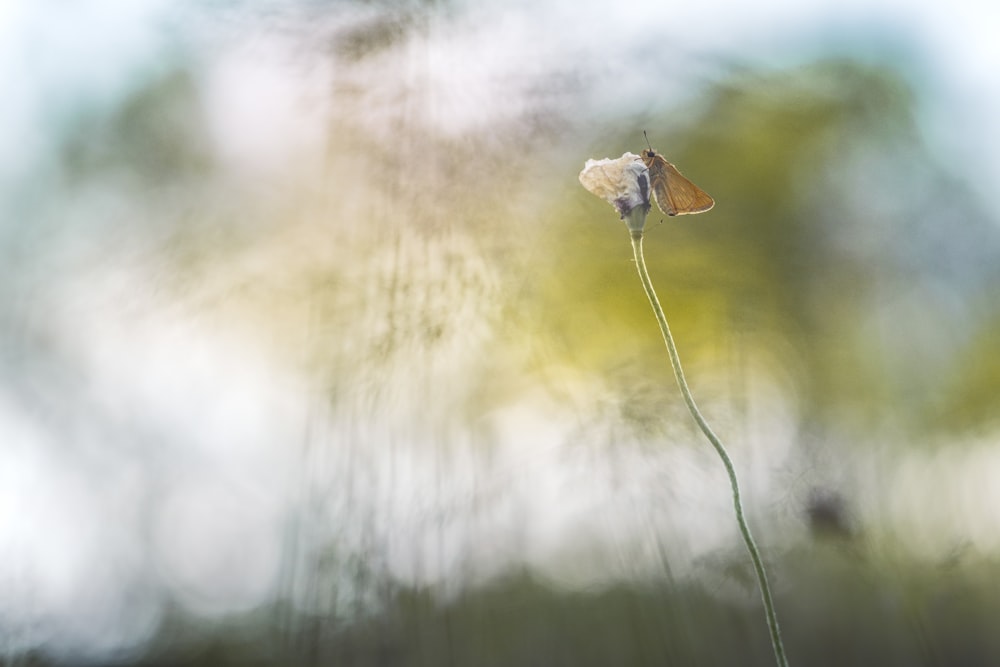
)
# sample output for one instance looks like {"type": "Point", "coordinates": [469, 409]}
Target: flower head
{"type": "Point", "coordinates": [623, 183]}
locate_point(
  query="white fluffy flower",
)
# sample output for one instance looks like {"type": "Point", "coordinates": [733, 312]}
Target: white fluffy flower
{"type": "Point", "coordinates": [623, 183]}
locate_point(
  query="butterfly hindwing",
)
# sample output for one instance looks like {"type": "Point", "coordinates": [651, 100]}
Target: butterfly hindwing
{"type": "Point", "coordinates": [674, 193]}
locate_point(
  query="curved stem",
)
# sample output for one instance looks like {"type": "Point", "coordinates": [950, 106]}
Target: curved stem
{"type": "Point", "coordinates": [675, 361]}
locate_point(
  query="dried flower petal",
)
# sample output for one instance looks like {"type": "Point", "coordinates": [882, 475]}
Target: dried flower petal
{"type": "Point", "coordinates": [623, 183]}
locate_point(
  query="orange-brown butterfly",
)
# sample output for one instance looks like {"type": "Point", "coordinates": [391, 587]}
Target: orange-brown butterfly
{"type": "Point", "coordinates": [674, 194]}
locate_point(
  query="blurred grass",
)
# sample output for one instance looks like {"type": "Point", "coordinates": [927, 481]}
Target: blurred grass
{"type": "Point", "coordinates": [480, 267]}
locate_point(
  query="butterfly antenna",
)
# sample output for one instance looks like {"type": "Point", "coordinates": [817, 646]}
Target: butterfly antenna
{"type": "Point", "coordinates": [647, 140]}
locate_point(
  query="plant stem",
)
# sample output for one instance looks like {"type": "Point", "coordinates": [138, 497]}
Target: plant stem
{"type": "Point", "coordinates": [675, 361]}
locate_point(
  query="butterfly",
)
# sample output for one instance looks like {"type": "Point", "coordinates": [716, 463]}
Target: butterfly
{"type": "Point", "coordinates": [674, 194]}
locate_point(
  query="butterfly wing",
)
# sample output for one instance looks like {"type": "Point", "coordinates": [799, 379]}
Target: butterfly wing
{"type": "Point", "coordinates": [685, 197]}
{"type": "Point", "coordinates": [674, 194]}
{"type": "Point", "coordinates": [658, 181]}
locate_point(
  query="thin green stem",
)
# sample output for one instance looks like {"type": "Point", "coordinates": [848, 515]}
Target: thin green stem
{"type": "Point", "coordinates": [675, 361]}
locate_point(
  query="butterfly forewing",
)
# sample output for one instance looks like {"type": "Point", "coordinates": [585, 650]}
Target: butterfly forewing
{"type": "Point", "coordinates": [674, 194]}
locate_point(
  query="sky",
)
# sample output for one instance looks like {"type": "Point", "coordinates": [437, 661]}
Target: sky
{"type": "Point", "coordinates": [482, 59]}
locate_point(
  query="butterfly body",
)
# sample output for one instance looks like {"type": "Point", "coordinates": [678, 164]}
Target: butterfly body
{"type": "Point", "coordinates": [674, 194]}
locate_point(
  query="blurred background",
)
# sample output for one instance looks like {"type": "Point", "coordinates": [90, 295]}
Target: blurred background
{"type": "Point", "coordinates": [313, 351]}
